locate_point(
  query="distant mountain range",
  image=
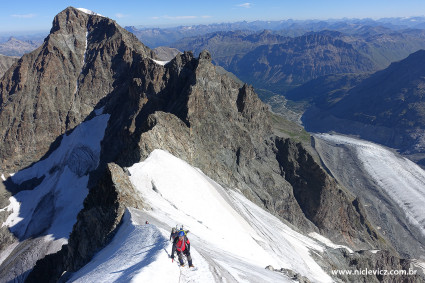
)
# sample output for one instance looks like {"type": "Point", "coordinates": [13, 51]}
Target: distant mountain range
{"type": "Point", "coordinates": [154, 37]}
{"type": "Point", "coordinates": [16, 47]}
{"type": "Point", "coordinates": [274, 62]}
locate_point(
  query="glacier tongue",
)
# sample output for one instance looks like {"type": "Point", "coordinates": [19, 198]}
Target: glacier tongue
{"type": "Point", "coordinates": [400, 178]}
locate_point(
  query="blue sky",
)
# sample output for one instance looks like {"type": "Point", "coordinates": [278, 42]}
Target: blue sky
{"type": "Point", "coordinates": [30, 15]}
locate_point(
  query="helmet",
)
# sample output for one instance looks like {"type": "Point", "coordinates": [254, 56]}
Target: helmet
{"type": "Point", "coordinates": [181, 233]}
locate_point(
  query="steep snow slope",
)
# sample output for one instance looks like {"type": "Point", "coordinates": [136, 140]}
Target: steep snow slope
{"type": "Point", "coordinates": [51, 194]}
{"type": "Point", "coordinates": [232, 239]}
{"type": "Point", "coordinates": [65, 177]}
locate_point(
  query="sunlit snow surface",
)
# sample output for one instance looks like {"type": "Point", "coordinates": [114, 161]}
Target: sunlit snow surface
{"type": "Point", "coordinates": [89, 12]}
{"type": "Point", "coordinates": [232, 239]}
{"type": "Point", "coordinates": [400, 178]}
{"type": "Point", "coordinates": [162, 63]}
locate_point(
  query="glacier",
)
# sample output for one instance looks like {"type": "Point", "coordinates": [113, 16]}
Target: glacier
{"type": "Point", "coordinates": [400, 178]}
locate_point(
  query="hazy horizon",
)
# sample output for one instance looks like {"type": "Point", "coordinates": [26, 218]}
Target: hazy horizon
{"type": "Point", "coordinates": [26, 16]}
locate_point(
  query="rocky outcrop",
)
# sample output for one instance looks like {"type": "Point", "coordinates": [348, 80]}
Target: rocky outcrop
{"type": "Point", "coordinates": [207, 119]}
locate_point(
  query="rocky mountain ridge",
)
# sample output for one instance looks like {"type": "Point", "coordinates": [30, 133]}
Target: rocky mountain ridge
{"type": "Point", "coordinates": [185, 107]}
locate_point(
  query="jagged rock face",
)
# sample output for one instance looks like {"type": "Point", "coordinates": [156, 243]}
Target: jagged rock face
{"type": "Point", "coordinates": [206, 119]}
{"type": "Point", "coordinates": [105, 204]}
{"type": "Point", "coordinates": [56, 87]}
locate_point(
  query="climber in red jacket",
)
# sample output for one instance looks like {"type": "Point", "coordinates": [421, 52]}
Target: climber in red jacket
{"type": "Point", "coordinates": [181, 245]}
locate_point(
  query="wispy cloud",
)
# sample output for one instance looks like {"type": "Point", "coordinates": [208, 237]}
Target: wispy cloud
{"type": "Point", "coordinates": [120, 16]}
{"type": "Point", "coordinates": [23, 16]}
{"type": "Point", "coordinates": [245, 5]}
{"type": "Point", "coordinates": [181, 17]}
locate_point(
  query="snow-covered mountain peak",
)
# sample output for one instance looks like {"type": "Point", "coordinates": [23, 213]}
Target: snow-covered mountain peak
{"type": "Point", "coordinates": [89, 12]}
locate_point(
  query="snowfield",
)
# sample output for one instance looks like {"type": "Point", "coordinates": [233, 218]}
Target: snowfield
{"type": "Point", "coordinates": [232, 240]}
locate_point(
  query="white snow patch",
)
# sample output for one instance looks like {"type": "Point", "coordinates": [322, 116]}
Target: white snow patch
{"type": "Point", "coordinates": [162, 63]}
{"type": "Point", "coordinates": [328, 242]}
{"type": "Point", "coordinates": [14, 216]}
{"type": "Point", "coordinates": [89, 12]}
{"type": "Point", "coordinates": [400, 178]}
